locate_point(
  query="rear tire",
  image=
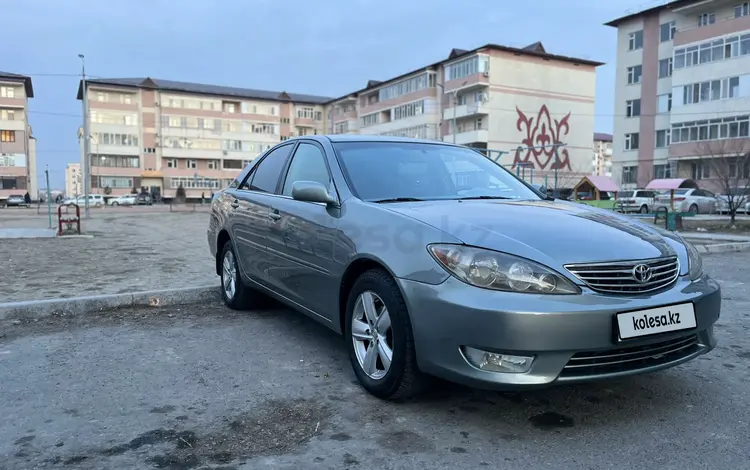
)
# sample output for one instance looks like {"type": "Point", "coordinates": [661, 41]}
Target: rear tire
{"type": "Point", "coordinates": [693, 209]}
{"type": "Point", "coordinates": [401, 378]}
{"type": "Point", "coordinates": [115, 204]}
{"type": "Point", "coordinates": [235, 294]}
{"type": "Point", "coordinates": [644, 209]}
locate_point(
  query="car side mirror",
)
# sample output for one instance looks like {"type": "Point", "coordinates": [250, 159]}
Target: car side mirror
{"type": "Point", "coordinates": [312, 191]}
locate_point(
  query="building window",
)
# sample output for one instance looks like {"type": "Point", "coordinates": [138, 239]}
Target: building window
{"type": "Point", "coordinates": [742, 10]}
{"type": "Point", "coordinates": [633, 108]}
{"type": "Point", "coordinates": [109, 138]}
{"type": "Point", "coordinates": [410, 85]}
{"type": "Point", "coordinates": [714, 90]}
{"type": "Point", "coordinates": [7, 115]}
{"type": "Point", "coordinates": [232, 164]}
{"type": "Point", "coordinates": [635, 40]}
{"type": "Point", "coordinates": [194, 182]}
{"type": "Point", "coordinates": [664, 103]}
{"type": "Point", "coordinates": [634, 74]}
{"type": "Point", "coordinates": [171, 163]}
{"type": "Point", "coordinates": [408, 110]}
{"type": "Point", "coordinates": [113, 182]}
{"type": "Point", "coordinates": [662, 138]}
{"type": "Point", "coordinates": [665, 68]}
{"type": "Point", "coordinates": [192, 164]}
{"type": "Point", "coordinates": [467, 67]}
{"type": "Point", "coordinates": [213, 164]}
{"type": "Point", "coordinates": [706, 19]}
{"type": "Point", "coordinates": [712, 51]}
{"type": "Point", "coordinates": [714, 129]}
{"type": "Point", "coordinates": [115, 161]}
{"type": "Point", "coordinates": [7, 136]}
{"type": "Point", "coordinates": [666, 31]}
{"type": "Point", "coordinates": [305, 113]}
{"type": "Point", "coordinates": [664, 171]}
{"type": "Point", "coordinates": [370, 119]}
{"type": "Point", "coordinates": [700, 170]}
{"type": "Point", "coordinates": [7, 92]}
{"type": "Point", "coordinates": [631, 141]}
{"type": "Point", "coordinates": [629, 175]}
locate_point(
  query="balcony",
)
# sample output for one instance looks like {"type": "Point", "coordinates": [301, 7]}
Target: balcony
{"type": "Point", "coordinates": [725, 25]}
{"type": "Point", "coordinates": [469, 137]}
{"type": "Point", "coordinates": [465, 110]}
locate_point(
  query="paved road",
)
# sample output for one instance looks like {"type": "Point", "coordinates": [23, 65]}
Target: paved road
{"type": "Point", "coordinates": [203, 387]}
{"type": "Point", "coordinates": [132, 250]}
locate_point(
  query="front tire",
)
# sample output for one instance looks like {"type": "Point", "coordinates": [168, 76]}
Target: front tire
{"type": "Point", "coordinates": [644, 209]}
{"type": "Point", "coordinates": [693, 209]}
{"type": "Point", "coordinates": [235, 294]}
{"type": "Point", "coordinates": [379, 338]}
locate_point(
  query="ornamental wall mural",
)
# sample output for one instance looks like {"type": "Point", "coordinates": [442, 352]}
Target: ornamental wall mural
{"type": "Point", "coordinates": [542, 130]}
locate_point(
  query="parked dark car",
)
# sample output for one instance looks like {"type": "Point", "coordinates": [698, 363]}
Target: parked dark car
{"type": "Point", "coordinates": [143, 199]}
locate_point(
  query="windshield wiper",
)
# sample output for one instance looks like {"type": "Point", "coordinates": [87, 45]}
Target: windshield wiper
{"type": "Point", "coordinates": [468, 198]}
{"type": "Point", "coordinates": [399, 199]}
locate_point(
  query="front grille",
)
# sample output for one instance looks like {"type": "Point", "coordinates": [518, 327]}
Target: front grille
{"type": "Point", "coordinates": [618, 277]}
{"type": "Point", "coordinates": [610, 361]}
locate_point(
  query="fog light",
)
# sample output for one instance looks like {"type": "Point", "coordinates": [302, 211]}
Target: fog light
{"type": "Point", "coordinates": [495, 362]}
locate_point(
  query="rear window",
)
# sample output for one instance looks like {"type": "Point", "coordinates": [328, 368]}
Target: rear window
{"type": "Point", "coordinates": [626, 194]}
{"type": "Point", "coordinates": [679, 192]}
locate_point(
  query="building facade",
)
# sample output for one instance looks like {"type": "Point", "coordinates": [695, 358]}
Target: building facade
{"type": "Point", "coordinates": [73, 180]}
{"type": "Point", "coordinates": [17, 146]}
{"type": "Point", "coordinates": [682, 91]}
{"type": "Point", "coordinates": [602, 162]}
{"type": "Point", "coordinates": [493, 97]}
{"type": "Point", "coordinates": [159, 135]}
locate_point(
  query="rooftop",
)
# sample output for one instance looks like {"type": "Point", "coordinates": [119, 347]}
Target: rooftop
{"type": "Point", "coordinates": [535, 50]}
{"type": "Point", "coordinates": [602, 137]}
{"type": "Point", "coordinates": [663, 5]}
{"type": "Point", "coordinates": [202, 89]}
{"type": "Point", "coordinates": [19, 78]}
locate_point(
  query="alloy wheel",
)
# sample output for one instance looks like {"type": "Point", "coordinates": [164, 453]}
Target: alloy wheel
{"type": "Point", "coordinates": [372, 335]}
{"type": "Point", "coordinates": [229, 275]}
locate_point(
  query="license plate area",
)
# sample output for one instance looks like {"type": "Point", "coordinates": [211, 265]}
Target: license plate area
{"type": "Point", "coordinates": [653, 321]}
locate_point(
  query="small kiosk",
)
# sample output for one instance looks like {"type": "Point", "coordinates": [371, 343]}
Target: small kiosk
{"type": "Point", "coordinates": [594, 191]}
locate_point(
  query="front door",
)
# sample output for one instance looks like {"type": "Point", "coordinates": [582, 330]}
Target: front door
{"type": "Point", "coordinates": [302, 237]}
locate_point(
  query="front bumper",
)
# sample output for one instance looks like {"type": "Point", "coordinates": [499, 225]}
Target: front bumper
{"type": "Point", "coordinates": [561, 332]}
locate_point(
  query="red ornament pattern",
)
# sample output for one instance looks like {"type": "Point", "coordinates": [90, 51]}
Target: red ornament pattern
{"type": "Point", "coordinates": [542, 130]}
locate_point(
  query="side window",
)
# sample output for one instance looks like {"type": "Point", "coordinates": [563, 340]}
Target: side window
{"type": "Point", "coordinates": [708, 193]}
{"type": "Point", "coordinates": [266, 174]}
{"type": "Point", "coordinates": [308, 164]}
{"type": "Point", "coordinates": [698, 192]}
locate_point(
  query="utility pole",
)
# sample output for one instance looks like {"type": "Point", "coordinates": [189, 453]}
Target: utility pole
{"type": "Point", "coordinates": [455, 105]}
{"type": "Point", "coordinates": [86, 145]}
{"type": "Point", "coordinates": [49, 196]}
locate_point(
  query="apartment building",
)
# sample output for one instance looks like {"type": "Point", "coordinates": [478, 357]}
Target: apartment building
{"type": "Point", "coordinates": [682, 90]}
{"type": "Point", "coordinates": [73, 180]}
{"type": "Point", "coordinates": [602, 162]}
{"type": "Point", "coordinates": [492, 97]}
{"type": "Point", "coordinates": [161, 134]}
{"type": "Point", "coordinates": [17, 146]}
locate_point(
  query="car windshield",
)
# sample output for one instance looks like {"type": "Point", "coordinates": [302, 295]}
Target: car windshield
{"type": "Point", "coordinates": [411, 170]}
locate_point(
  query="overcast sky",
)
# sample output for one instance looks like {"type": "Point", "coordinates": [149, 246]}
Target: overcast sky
{"type": "Point", "coordinates": [327, 47]}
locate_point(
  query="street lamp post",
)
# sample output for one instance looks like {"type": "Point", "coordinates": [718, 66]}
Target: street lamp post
{"type": "Point", "coordinates": [86, 150]}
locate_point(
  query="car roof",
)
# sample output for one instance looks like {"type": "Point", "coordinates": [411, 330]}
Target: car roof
{"type": "Point", "coordinates": [369, 138]}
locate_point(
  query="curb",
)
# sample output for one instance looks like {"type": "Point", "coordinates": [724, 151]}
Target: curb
{"type": "Point", "coordinates": [723, 247]}
{"type": "Point", "coordinates": [31, 309]}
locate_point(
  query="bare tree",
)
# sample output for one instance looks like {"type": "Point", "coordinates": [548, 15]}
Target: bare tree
{"type": "Point", "coordinates": [728, 164]}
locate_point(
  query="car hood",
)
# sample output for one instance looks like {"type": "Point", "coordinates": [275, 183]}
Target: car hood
{"type": "Point", "coordinates": [556, 232]}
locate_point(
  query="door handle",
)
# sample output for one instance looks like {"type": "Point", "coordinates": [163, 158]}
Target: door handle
{"type": "Point", "coordinates": [235, 204]}
{"type": "Point", "coordinates": [274, 215]}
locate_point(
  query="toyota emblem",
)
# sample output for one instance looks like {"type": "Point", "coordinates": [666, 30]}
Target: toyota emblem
{"type": "Point", "coordinates": [642, 273]}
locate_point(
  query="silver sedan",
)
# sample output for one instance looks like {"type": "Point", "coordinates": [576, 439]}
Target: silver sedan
{"type": "Point", "coordinates": [433, 261]}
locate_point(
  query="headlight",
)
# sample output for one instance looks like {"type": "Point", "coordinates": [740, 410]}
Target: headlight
{"type": "Point", "coordinates": [695, 261]}
{"type": "Point", "coordinates": [500, 271]}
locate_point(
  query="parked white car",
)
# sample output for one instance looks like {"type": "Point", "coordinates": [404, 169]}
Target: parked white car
{"type": "Point", "coordinates": [740, 195]}
{"type": "Point", "coordinates": [639, 200]}
{"type": "Point", "coordinates": [126, 200]}
{"type": "Point", "coordinates": [95, 200]}
{"type": "Point", "coordinates": [697, 201]}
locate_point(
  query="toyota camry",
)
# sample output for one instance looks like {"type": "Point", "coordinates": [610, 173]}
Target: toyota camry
{"type": "Point", "coordinates": [434, 261]}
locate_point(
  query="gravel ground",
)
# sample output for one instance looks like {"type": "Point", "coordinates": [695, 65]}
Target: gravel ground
{"type": "Point", "coordinates": [132, 249]}
{"type": "Point", "coordinates": [201, 387]}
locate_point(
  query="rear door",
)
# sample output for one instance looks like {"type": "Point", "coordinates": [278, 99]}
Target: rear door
{"type": "Point", "coordinates": [250, 211]}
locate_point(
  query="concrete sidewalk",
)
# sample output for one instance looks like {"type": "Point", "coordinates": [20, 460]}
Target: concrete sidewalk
{"type": "Point", "coordinates": [707, 242]}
